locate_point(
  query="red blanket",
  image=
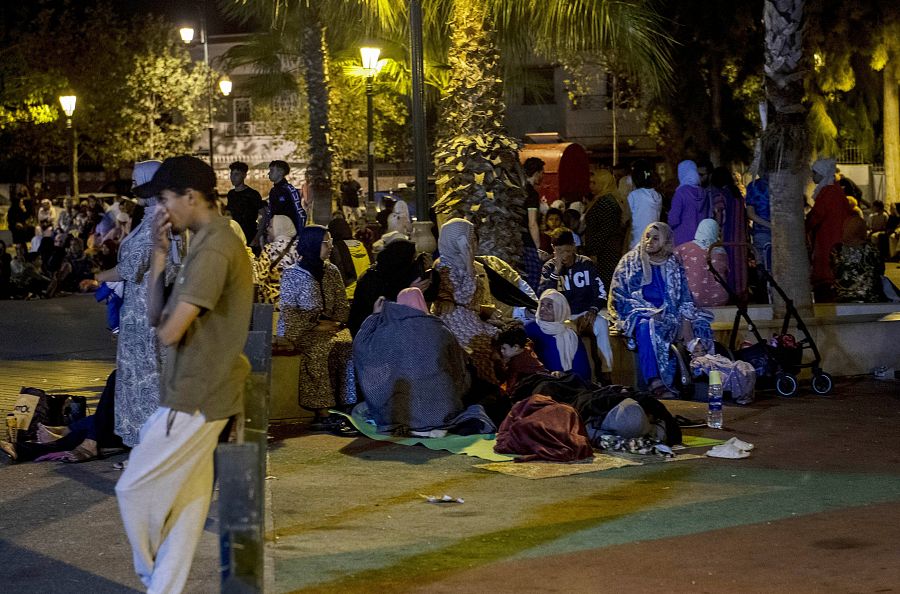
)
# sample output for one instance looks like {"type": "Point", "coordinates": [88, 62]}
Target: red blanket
{"type": "Point", "coordinates": [542, 429]}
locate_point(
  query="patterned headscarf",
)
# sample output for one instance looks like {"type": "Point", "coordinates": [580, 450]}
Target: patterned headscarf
{"type": "Point", "coordinates": [667, 238]}
{"type": "Point", "coordinates": [566, 339]}
{"type": "Point", "coordinates": [309, 248]}
{"type": "Point", "coordinates": [827, 168]}
{"type": "Point", "coordinates": [707, 233]}
{"type": "Point", "coordinates": [687, 174]}
{"type": "Point", "coordinates": [456, 245]}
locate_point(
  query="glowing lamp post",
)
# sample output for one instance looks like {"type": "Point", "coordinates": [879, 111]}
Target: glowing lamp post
{"type": "Point", "coordinates": [225, 86]}
{"type": "Point", "coordinates": [372, 65]}
{"type": "Point", "coordinates": [68, 106]}
{"type": "Point", "coordinates": [187, 36]}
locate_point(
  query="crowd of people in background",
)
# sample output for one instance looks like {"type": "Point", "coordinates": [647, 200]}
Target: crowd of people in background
{"type": "Point", "coordinates": [624, 262]}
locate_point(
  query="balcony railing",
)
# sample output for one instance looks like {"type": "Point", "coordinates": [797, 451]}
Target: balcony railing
{"type": "Point", "coordinates": [251, 129]}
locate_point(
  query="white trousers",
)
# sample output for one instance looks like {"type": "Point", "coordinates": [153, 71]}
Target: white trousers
{"type": "Point", "coordinates": [601, 335]}
{"type": "Point", "coordinates": [164, 495]}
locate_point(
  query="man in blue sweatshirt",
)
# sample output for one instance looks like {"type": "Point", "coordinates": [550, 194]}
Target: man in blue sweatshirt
{"type": "Point", "coordinates": [576, 277]}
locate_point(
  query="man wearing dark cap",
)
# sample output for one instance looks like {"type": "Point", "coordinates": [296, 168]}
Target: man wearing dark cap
{"type": "Point", "coordinates": [576, 277]}
{"type": "Point", "coordinates": [243, 202]}
{"type": "Point", "coordinates": [284, 199]}
{"type": "Point", "coordinates": [165, 491]}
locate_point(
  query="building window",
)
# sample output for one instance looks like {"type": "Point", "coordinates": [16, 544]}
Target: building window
{"type": "Point", "coordinates": [540, 86]}
{"type": "Point", "coordinates": [243, 109]}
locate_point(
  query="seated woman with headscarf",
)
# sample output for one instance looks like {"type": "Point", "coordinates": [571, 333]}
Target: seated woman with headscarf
{"type": "Point", "coordinates": [275, 258]}
{"type": "Point", "coordinates": [314, 310]}
{"type": "Point", "coordinates": [420, 389]}
{"type": "Point", "coordinates": [349, 255]}
{"type": "Point", "coordinates": [652, 306]}
{"type": "Point", "coordinates": [857, 265]}
{"type": "Point", "coordinates": [463, 298]}
{"type": "Point", "coordinates": [395, 269]}
{"type": "Point", "coordinates": [555, 342]}
{"type": "Point", "coordinates": [706, 290]}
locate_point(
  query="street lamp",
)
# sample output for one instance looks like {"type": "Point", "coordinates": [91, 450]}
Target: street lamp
{"type": "Point", "coordinates": [372, 65]}
{"type": "Point", "coordinates": [225, 86]}
{"type": "Point", "coordinates": [187, 36]}
{"type": "Point", "coordinates": [68, 106]}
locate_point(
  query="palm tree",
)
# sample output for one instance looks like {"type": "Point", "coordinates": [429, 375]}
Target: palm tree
{"type": "Point", "coordinates": [785, 148]}
{"type": "Point", "coordinates": [477, 165]}
{"type": "Point", "coordinates": [308, 18]}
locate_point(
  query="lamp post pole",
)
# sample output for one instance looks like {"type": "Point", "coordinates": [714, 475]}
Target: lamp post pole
{"type": "Point", "coordinates": [371, 65]}
{"type": "Point", "coordinates": [209, 92]}
{"type": "Point", "coordinates": [370, 133]}
{"type": "Point", "coordinates": [420, 143]}
{"type": "Point", "coordinates": [68, 105]}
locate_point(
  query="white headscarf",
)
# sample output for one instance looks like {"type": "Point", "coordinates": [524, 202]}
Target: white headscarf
{"type": "Point", "coordinates": [283, 226]}
{"type": "Point", "coordinates": [827, 168]}
{"type": "Point", "coordinates": [142, 173]}
{"type": "Point", "coordinates": [667, 238]}
{"type": "Point", "coordinates": [707, 233]}
{"type": "Point", "coordinates": [566, 339]}
{"type": "Point", "coordinates": [457, 245]}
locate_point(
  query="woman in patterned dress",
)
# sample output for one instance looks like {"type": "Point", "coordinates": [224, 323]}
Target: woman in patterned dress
{"type": "Point", "coordinates": [706, 290]}
{"type": "Point", "coordinates": [463, 297]}
{"type": "Point", "coordinates": [278, 254]}
{"type": "Point", "coordinates": [314, 311]}
{"type": "Point", "coordinates": [652, 307]}
{"type": "Point", "coordinates": [138, 354]}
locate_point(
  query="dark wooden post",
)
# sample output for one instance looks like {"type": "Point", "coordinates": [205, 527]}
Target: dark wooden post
{"type": "Point", "coordinates": [242, 470]}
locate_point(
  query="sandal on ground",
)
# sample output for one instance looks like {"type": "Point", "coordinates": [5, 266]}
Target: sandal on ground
{"type": "Point", "coordinates": [121, 465]}
{"type": "Point", "coordinates": [9, 449]}
{"type": "Point", "coordinates": [687, 423]}
{"type": "Point", "coordinates": [78, 455]}
{"type": "Point", "coordinates": [343, 428]}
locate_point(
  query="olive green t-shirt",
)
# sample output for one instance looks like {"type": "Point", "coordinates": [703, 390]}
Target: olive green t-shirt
{"type": "Point", "coordinates": [206, 370]}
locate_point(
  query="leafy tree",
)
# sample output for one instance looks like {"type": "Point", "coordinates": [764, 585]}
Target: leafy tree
{"type": "Point", "coordinates": [476, 163]}
{"type": "Point", "coordinates": [139, 93]}
{"type": "Point", "coordinates": [711, 106]}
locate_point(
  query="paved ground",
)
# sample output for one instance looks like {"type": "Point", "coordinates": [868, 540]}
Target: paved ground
{"type": "Point", "coordinates": [815, 509]}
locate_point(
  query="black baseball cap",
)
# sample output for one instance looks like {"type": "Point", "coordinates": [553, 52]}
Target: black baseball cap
{"type": "Point", "coordinates": [179, 173]}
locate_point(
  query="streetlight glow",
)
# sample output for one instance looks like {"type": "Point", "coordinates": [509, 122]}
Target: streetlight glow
{"type": "Point", "coordinates": [370, 58]}
{"type": "Point", "coordinates": [225, 86]}
{"type": "Point", "coordinates": [187, 34]}
{"type": "Point", "coordinates": [68, 104]}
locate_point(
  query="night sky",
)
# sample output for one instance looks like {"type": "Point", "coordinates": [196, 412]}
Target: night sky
{"type": "Point", "coordinates": [185, 11]}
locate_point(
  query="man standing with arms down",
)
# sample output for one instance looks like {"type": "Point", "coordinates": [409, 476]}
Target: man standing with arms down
{"type": "Point", "coordinates": [243, 202]}
{"type": "Point", "coordinates": [164, 493]}
{"type": "Point", "coordinates": [284, 199]}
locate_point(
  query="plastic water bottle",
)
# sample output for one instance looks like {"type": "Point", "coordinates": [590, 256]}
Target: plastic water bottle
{"type": "Point", "coordinates": [714, 397]}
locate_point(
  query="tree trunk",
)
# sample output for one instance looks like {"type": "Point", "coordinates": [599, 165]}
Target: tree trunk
{"type": "Point", "coordinates": [891, 130]}
{"type": "Point", "coordinates": [476, 163]}
{"type": "Point", "coordinates": [318, 172]}
{"type": "Point", "coordinates": [785, 149]}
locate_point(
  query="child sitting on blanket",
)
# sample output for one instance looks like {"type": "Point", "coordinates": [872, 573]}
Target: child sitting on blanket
{"type": "Point", "coordinates": [738, 377]}
{"type": "Point", "coordinates": [519, 359]}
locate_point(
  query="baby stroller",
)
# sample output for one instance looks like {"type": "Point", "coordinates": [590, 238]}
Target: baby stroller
{"type": "Point", "coordinates": [778, 364]}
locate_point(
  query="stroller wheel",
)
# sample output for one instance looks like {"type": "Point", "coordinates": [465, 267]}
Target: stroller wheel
{"type": "Point", "coordinates": [822, 383]}
{"type": "Point", "coordinates": [786, 384]}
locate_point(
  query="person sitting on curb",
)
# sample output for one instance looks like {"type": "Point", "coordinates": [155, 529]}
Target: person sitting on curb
{"type": "Point", "coordinates": [576, 277]}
